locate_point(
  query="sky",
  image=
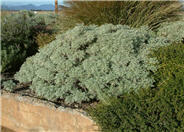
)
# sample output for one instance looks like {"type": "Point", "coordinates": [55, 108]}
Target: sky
{"type": "Point", "coordinates": [35, 2]}
{"type": "Point", "coordinates": [23, 2]}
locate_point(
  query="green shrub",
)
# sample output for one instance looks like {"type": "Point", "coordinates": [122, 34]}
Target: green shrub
{"type": "Point", "coordinates": [89, 62]}
{"type": "Point", "coordinates": [12, 57]}
{"type": "Point", "coordinates": [43, 39]}
{"type": "Point", "coordinates": [18, 38]}
{"type": "Point", "coordinates": [132, 13]}
{"type": "Point", "coordinates": [170, 73]}
{"type": "Point", "coordinates": [153, 109]}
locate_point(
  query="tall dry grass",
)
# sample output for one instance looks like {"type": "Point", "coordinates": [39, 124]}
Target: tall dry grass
{"type": "Point", "coordinates": [133, 13]}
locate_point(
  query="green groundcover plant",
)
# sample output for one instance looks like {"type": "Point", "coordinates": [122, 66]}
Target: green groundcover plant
{"type": "Point", "coordinates": [89, 62]}
{"type": "Point", "coordinates": [154, 109]}
{"type": "Point", "coordinates": [132, 13]}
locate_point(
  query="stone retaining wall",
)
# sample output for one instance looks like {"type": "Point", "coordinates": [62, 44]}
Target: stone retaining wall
{"type": "Point", "coordinates": [26, 114]}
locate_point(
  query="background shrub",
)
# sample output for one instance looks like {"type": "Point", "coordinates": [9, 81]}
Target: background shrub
{"type": "Point", "coordinates": [89, 62]}
{"type": "Point", "coordinates": [132, 13]}
{"type": "Point", "coordinates": [49, 18]}
{"type": "Point", "coordinates": [153, 109]}
{"type": "Point", "coordinates": [18, 38]}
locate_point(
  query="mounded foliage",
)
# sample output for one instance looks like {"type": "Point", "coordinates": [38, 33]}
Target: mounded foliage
{"type": "Point", "coordinates": [89, 62]}
{"type": "Point", "coordinates": [18, 38]}
{"type": "Point", "coordinates": [9, 85]}
{"type": "Point", "coordinates": [174, 31]}
{"type": "Point", "coordinates": [132, 13]}
{"type": "Point", "coordinates": [153, 109]}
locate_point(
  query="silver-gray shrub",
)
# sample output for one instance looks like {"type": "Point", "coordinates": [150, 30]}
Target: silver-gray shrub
{"type": "Point", "coordinates": [174, 31]}
{"type": "Point", "coordinates": [9, 85]}
{"type": "Point", "coordinates": [88, 62]}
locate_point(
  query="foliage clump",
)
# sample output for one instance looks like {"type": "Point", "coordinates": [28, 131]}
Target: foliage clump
{"type": "Point", "coordinates": [9, 85]}
{"type": "Point", "coordinates": [132, 13]}
{"type": "Point", "coordinates": [88, 62]}
{"type": "Point", "coordinates": [153, 109]}
{"type": "Point", "coordinates": [18, 38]}
{"type": "Point", "coordinates": [174, 31]}
{"type": "Point", "coordinates": [49, 18]}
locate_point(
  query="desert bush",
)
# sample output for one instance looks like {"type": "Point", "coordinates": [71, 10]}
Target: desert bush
{"type": "Point", "coordinates": [18, 38]}
{"type": "Point", "coordinates": [9, 85]}
{"type": "Point", "coordinates": [49, 18]}
{"type": "Point", "coordinates": [12, 57]}
{"type": "Point", "coordinates": [132, 13]}
{"type": "Point", "coordinates": [43, 39]}
{"type": "Point", "coordinates": [174, 31]}
{"type": "Point", "coordinates": [154, 109]}
{"type": "Point", "coordinates": [89, 62]}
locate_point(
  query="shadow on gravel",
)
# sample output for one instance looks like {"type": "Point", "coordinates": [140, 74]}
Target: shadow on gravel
{"type": "Point", "coordinates": [4, 129]}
